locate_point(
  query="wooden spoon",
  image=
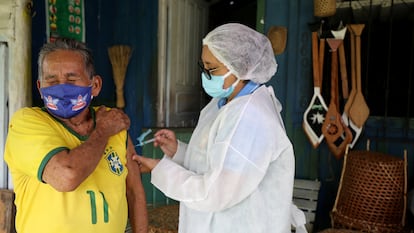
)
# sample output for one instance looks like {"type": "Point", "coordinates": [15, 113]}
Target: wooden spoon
{"type": "Point", "coordinates": [332, 126]}
{"type": "Point", "coordinates": [359, 110]}
{"type": "Point", "coordinates": [356, 131]}
{"type": "Point", "coordinates": [351, 96]}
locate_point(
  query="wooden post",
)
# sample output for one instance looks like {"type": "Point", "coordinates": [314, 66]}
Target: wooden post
{"type": "Point", "coordinates": [7, 211]}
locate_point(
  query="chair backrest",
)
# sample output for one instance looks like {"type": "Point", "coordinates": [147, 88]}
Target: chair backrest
{"type": "Point", "coordinates": [305, 197]}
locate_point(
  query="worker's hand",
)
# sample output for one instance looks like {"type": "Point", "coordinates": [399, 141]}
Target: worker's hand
{"type": "Point", "coordinates": [145, 164]}
{"type": "Point", "coordinates": [111, 121]}
{"type": "Point", "coordinates": [167, 141]}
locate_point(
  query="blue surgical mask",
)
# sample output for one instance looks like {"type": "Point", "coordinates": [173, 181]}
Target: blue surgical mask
{"type": "Point", "coordinates": [214, 86]}
{"type": "Point", "coordinates": [66, 100]}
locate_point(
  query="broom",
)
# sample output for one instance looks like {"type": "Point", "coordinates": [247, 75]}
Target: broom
{"type": "Point", "coordinates": [119, 56]}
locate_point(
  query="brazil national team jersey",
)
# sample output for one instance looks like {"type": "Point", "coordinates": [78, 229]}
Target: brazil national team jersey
{"type": "Point", "coordinates": [98, 205]}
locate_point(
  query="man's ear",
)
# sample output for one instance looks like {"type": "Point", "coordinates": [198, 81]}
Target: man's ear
{"type": "Point", "coordinates": [96, 85]}
{"type": "Point", "coordinates": [38, 87]}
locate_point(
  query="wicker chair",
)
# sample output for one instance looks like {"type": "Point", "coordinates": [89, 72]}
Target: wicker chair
{"type": "Point", "coordinates": [371, 195]}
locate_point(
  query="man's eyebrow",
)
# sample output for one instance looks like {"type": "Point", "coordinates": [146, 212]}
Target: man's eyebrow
{"type": "Point", "coordinates": [72, 74]}
{"type": "Point", "coordinates": [49, 76]}
{"type": "Point", "coordinates": [67, 75]}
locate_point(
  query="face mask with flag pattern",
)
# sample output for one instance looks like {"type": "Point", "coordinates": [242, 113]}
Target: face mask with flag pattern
{"type": "Point", "coordinates": [66, 100]}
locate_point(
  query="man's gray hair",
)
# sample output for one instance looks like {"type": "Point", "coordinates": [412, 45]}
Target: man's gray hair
{"type": "Point", "coordinates": [66, 44]}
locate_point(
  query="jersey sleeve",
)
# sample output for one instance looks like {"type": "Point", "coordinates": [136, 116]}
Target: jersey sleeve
{"type": "Point", "coordinates": [33, 138]}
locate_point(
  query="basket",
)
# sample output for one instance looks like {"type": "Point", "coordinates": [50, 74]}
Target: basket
{"type": "Point", "coordinates": [163, 219]}
{"type": "Point", "coordinates": [372, 193]}
{"type": "Point", "coordinates": [324, 8]}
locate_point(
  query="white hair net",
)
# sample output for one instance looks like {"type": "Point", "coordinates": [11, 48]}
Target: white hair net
{"type": "Point", "coordinates": [247, 53]}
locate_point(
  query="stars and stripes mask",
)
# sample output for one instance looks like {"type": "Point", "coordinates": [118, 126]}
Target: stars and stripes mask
{"type": "Point", "coordinates": [66, 100]}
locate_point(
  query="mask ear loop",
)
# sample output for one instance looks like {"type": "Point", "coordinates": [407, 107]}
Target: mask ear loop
{"type": "Point", "coordinates": [235, 83]}
{"type": "Point", "coordinates": [227, 75]}
{"type": "Point", "coordinates": [92, 80]}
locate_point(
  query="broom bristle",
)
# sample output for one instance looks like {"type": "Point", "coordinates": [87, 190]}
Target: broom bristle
{"type": "Point", "coordinates": [119, 56]}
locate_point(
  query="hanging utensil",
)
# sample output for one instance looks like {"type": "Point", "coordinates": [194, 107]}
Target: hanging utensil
{"type": "Point", "coordinates": [340, 35]}
{"type": "Point", "coordinates": [348, 103]}
{"type": "Point", "coordinates": [339, 151]}
{"type": "Point", "coordinates": [314, 114]}
{"type": "Point", "coordinates": [322, 42]}
{"type": "Point", "coordinates": [332, 127]}
{"type": "Point", "coordinates": [359, 110]}
{"type": "Point", "coordinates": [356, 131]}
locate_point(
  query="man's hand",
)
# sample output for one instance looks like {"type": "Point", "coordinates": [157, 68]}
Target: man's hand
{"type": "Point", "coordinates": [111, 121]}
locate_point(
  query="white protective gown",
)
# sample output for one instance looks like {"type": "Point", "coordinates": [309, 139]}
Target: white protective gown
{"type": "Point", "coordinates": [237, 172]}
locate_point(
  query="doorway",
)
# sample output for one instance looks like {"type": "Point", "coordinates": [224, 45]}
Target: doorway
{"type": "Point", "coordinates": [182, 25]}
{"type": "Point", "coordinates": [233, 11]}
{"type": "Point", "coordinates": [4, 110]}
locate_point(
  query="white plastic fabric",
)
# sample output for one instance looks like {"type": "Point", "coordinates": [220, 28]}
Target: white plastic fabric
{"type": "Point", "coordinates": [237, 172]}
{"type": "Point", "coordinates": [298, 219]}
{"type": "Point", "coordinates": [247, 53]}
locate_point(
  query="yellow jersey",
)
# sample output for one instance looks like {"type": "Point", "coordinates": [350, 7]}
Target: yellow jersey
{"type": "Point", "coordinates": [98, 205]}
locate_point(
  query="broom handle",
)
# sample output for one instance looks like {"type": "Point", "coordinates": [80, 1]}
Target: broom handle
{"type": "Point", "coordinates": [120, 102]}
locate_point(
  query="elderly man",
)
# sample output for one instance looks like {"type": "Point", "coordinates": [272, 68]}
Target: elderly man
{"type": "Point", "coordinates": [71, 163]}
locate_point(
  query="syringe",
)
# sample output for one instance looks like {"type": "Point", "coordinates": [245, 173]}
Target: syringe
{"type": "Point", "coordinates": [145, 142]}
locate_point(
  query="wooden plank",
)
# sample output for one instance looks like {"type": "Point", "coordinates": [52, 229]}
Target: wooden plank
{"type": "Point", "coordinates": [310, 217]}
{"type": "Point", "coordinates": [306, 194]}
{"type": "Point", "coordinates": [307, 184]}
{"type": "Point", "coordinates": [305, 204]}
{"type": "Point", "coordinates": [4, 108]}
{"type": "Point", "coordinates": [7, 211]}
